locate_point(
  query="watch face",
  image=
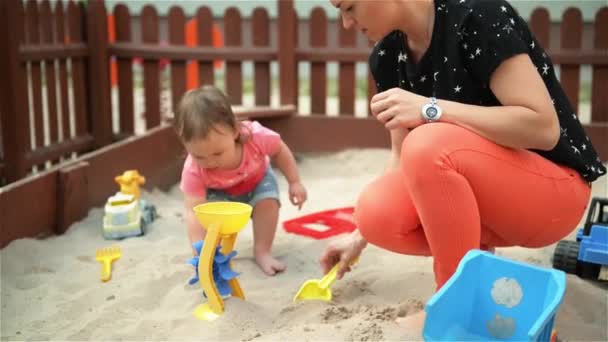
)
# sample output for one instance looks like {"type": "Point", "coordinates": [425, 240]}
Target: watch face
{"type": "Point", "coordinates": [431, 112]}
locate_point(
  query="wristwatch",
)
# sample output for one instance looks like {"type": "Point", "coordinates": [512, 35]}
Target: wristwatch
{"type": "Point", "coordinates": [431, 111]}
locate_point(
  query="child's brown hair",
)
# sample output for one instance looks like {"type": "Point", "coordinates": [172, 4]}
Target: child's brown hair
{"type": "Point", "coordinates": [200, 110]}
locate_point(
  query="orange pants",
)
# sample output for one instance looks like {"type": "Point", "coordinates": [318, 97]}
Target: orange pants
{"type": "Point", "coordinates": [455, 191]}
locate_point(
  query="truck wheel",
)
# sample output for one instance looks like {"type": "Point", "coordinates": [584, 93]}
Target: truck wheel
{"type": "Point", "coordinates": [142, 227]}
{"type": "Point", "coordinates": [589, 270]}
{"type": "Point", "coordinates": [565, 257]}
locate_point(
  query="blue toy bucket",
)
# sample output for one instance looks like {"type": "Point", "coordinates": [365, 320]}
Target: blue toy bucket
{"type": "Point", "coordinates": [491, 298]}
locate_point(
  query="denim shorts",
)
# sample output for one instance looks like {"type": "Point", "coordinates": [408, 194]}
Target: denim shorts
{"type": "Point", "coordinates": [266, 188]}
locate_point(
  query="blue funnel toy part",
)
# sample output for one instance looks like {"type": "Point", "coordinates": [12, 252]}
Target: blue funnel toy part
{"type": "Point", "coordinates": [221, 268]}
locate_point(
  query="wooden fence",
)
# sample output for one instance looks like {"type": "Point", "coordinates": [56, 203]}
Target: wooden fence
{"type": "Point", "coordinates": [56, 96]}
{"type": "Point", "coordinates": [54, 90]}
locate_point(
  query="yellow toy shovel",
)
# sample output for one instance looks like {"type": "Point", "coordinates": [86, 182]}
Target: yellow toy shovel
{"type": "Point", "coordinates": [106, 256]}
{"type": "Point", "coordinates": [316, 289]}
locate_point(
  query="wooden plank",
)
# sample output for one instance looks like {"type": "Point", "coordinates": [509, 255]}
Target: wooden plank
{"type": "Point", "coordinates": [75, 32]}
{"type": "Point", "coordinates": [14, 118]}
{"type": "Point", "coordinates": [65, 147]}
{"type": "Point", "coordinates": [33, 221]}
{"type": "Point", "coordinates": [318, 70]}
{"type": "Point", "coordinates": [579, 57]}
{"type": "Point", "coordinates": [46, 26]}
{"type": "Point", "coordinates": [149, 27]}
{"type": "Point", "coordinates": [287, 47]}
{"type": "Point", "coordinates": [263, 112]}
{"type": "Point", "coordinates": [60, 38]}
{"type": "Point", "coordinates": [161, 168]}
{"type": "Point", "coordinates": [100, 101]}
{"type": "Point", "coordinates": [208, 54]}
{"type": "Point", "coordinates": [261, 39]}
{"type": "Point", "coordinates": [331, 54]}
{"type": "Point", "coordinates": [559, 56]}
{"type": "Point", "coordinates": [263, 54]}
{"type": "Point", "coordinates": [122, 20]}
{"type": "Point", "coordinates": [234, 70]}
{"type": "Point", "coordinates": [598, 133]}
{"type": "Point", "coordinates": [346, 75]}
{"type": "Point", "coordinates": [540, 24]}
{"type": "Point", "coordinates": [204, 22]}
{"type": "Point", "coordinates": [177, 36]}
{"type": "Point", "coordinates": [571, 38]}
{"type": "Point", "coordinates": [599, 88]}
{"type": "Point", "coordinates": [354, 133]}
{"type": "Point", "coordinates": [45, 51]}
{"type": "Point", "coordinates": [72, 195]}
{"type": "Point", "coordinates": [33, 38]}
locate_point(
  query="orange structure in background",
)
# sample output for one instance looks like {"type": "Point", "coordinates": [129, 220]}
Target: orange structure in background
{"type": "Point", "coordinates": [112, 39]}
{"type": "Point", "coordinates": [192, 80]}
{"type": "Point", "coordinates": [192, 73]}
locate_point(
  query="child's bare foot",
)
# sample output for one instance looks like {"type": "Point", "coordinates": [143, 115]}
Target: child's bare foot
{"type": "Point", "coordinates": [414, 323]}
{"type": "Point", "coordinates": [269, 265]}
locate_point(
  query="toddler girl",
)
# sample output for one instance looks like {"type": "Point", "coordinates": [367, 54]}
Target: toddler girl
{"type": "Point", "coordinates": [229, 160]}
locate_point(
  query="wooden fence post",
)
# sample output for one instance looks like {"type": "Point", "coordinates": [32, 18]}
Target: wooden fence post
{"type": "Point", "coordinates": [287, 53]}
{"type": "Point", "coordinates": [14, 115]}
{"type": "Point", "coordinates": [72, 195]}
{"type": "Point", "coordinates": [599, 100]}
{"type": "Point", "coordinates": [261, 37]}
{"type": "Point", "coordinates": [318, 70]}
{"type": "Point", "coordinates": [540, 23]}
{"type": "Point", "coordinates": [177, 37]}
{"type": "Point", "coordinates": [347, 81]}
{"type": "Point", "coordinates": [150, 35]}
{"type": "Point", "coordinates": [122, 20]}
{"type": "Point", "coordinates": [571, 39]}
{"type": "Point", "coordinates": [100, 103]}
{"type": "Point", "coordinates": [204, 27]}
{"type": "Point", "coordinates": [234, 69]}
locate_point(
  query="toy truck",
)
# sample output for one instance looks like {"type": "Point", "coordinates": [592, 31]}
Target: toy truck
{"type": "Point", "coordinates": [587, 257]}
{"type": "Point", "coordinates": [125, 213]}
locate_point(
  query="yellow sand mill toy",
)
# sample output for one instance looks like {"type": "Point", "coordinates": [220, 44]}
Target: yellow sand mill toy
{"type": "Point", "coordinates": [223, 221]}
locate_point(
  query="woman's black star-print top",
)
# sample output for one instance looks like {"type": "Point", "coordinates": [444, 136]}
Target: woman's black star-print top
{"type": "Point", "coordinates": [471, 38]}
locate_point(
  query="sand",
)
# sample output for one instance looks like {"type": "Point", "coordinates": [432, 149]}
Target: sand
{"type": "Point", "coordinates": [51, 288]}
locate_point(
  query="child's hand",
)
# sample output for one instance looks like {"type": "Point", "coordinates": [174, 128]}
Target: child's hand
{"type": "Point", "coordinates": [297, 194]}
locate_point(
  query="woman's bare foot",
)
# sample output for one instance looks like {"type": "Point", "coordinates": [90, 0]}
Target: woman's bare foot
{"type": "Point", "coordinates": [269, 265]}
{"type": "Point", "coordinates": [414, 323]}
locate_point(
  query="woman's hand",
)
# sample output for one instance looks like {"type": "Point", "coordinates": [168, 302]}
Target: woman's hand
{"type": "Point", "coordinates": [344, 252]}
{"type": "Point", "coordinates": [398, 108]}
